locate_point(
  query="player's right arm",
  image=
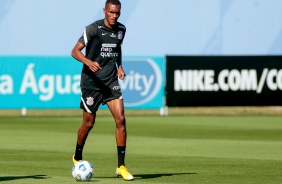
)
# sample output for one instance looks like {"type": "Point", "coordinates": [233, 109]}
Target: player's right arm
{"type": "Point", "coordinates": [88, 34]}
{"type": "Point", "coordinates": [78, 55]}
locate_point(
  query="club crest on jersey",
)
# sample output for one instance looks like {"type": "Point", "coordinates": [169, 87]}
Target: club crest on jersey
{"type": "Point", "coordinates": [120, 35]}
{"type": "Point", "coordinates": [90, 101]}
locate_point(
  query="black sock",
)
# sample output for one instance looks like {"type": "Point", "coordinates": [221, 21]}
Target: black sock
{"type": "Point", "coordinates": [121, 155]}
{"type": "Point", "coordinates": [78, 152]}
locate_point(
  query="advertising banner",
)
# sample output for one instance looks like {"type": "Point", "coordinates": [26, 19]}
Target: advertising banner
{"type": "Point", "coordinates": [54, 82]}
{"type": "Point", "coordinates": [223, 80]}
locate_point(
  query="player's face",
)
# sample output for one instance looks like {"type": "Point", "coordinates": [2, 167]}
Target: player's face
{"type": "Point", "coordinates": [112, 13]}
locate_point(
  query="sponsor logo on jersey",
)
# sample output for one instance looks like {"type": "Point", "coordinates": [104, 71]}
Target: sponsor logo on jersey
{"type": "Point", "coordinates": [113, 35]}
{"type": "Point", "coordinates": [108, 51]}
{"type": "Point", "coordinates": [109, 45]}
{"type": "Point", "coordinates": [122, 27]}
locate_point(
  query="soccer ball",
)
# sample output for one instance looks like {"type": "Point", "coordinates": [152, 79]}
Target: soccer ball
{"type": "Point", "coordinates": [82, 170]}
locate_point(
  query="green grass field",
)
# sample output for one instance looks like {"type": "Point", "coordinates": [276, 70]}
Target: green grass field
{"type": "Point", "coordinates": [174, 149]}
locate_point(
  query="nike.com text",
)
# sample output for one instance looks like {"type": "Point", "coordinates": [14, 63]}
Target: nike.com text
{"type": "Point", "coordinates": [227, 80]}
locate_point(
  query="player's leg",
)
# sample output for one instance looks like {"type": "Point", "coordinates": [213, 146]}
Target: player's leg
{"type": "Point", "coordinates": [117, 109]}
{"type": "Point", "coordinates": [90, 101]}
{"type": "Point", "coordinates": [87, 124]}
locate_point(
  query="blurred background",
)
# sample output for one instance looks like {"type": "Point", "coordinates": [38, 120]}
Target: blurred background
{"type": "Point", "coordinates": [182, 27]}
{"type": "Point", "coordinates": [37, 37]}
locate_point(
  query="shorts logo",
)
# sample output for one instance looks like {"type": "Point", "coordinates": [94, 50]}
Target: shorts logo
{"type": "Point", "coordinates": [89, 101]}
{"type": "Point", "coordinates": [115, 88]}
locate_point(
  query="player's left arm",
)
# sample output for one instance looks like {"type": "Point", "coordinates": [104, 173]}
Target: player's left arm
{"type": "Point", "coordinates": [121, 73]}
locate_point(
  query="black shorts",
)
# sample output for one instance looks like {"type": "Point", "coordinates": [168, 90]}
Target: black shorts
{"type": "Point", "coordinates": [92, 99]}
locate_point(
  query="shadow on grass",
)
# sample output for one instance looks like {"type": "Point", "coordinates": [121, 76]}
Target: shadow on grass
{"type": "Point", "coordinates": [151, 176]}
{"type": "Point", "coordinates": [10, 178]}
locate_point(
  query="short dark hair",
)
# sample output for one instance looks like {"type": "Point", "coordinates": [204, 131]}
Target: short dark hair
{"type": "Point", "coordinates": [114, 2]}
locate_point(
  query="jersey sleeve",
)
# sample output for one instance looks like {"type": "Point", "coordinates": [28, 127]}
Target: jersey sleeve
{"type": "Point", "coordinates": [124, 31]}
{"type": "Point", "coordinates": [119, 59]}
{"type": "Point", "coordinates": [88, 34]}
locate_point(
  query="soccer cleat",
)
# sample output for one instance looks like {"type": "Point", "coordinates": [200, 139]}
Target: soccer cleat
{"type": "Point", "coordinates": [122, 171]}
{"type": "Point", "coordinates": [73, 160]}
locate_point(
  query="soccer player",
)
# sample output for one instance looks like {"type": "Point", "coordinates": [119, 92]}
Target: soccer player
{"type": "Point", "coordinates": [102, 66]}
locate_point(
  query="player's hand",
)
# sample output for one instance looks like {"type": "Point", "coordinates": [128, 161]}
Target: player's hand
{"type": "Point", "coordinates": [121, 73]}
{"type": "Point", "coordinates": [94, 66]}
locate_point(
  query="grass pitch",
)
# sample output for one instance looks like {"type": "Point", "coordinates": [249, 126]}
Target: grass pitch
{"type": "Point", "coordinates": [174, 149]}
